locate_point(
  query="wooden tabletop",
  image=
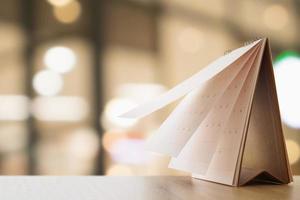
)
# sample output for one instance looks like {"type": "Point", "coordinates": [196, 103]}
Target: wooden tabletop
{"type": "Point", "coordinates": [139, 188]}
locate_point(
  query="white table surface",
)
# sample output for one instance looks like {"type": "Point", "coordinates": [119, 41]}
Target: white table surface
{"type": "Point", "coordinates": [139, 188]}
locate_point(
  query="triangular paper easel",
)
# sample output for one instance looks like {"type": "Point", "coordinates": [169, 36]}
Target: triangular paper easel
{"type": "Point", "coordinates": [227, 128]}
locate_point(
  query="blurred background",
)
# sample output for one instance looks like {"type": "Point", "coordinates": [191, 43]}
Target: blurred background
{"type": "Point", "coordinates": [69, 67]}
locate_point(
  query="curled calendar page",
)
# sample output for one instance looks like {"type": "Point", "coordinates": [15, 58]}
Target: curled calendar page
{"type": "Point", "coordinates": [227, 127]}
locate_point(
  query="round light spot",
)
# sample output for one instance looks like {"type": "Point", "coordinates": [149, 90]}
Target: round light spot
{"type": "Point", "coordinates": [293, 150]}
{"type": "Point", "coordinates": [275, 17]}
{"type": "Point", "coordinates": [68, 13]}
{"type": "Point", "coordinates": [113, 109]}
{"type": "Point", "coordinates": [47, 83]}
{"type": "Point", "coordinates": [60, 59]}
{"type": "Point", "coordinates": [287, 76]}
{"type": "Point", "coordinates": [59, 2]}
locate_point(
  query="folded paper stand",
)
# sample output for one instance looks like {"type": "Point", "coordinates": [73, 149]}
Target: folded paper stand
{"type": "Point", "coordinates": [227, 127]}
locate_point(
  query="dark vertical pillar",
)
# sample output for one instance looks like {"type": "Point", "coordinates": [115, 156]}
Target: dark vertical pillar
{"type": "Point", "coordinates": [96, 38]}
{"type": "Point", "coordinates": [27, 9]}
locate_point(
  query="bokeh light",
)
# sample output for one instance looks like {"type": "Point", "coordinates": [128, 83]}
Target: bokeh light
{"type": "Point", "coordinates": [127, 97]}
{"type": "Point", "coordinates": [113, 109]}
{"type": "Point", "coordinates": [110, 138]}
{"type": "Point", "coordinates": [59, 2]}
{"type": "Point", "coordinates": [13, 107]}
{"type": "Point", "coordinates": [47, 83]}
{"type": "Point", "coordinates": [129, 151]}
{"type": "Point", "coordinates": [125, 146]}
{"type": "Point", "coordinates": [68, 13]}
{"type": "Point", "coordinates": [60, 59]}
{"type": "Point", "coordinates": [293, 150]}
{"type": "Point", "coordinates": [287, 74]}
{"type": "Point", "coordinates": [137, 92]}
{"type": "Point", "coordinates": [60, 108]}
